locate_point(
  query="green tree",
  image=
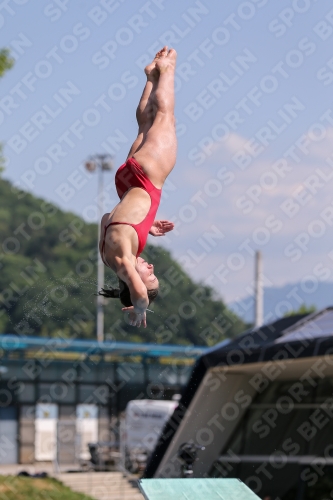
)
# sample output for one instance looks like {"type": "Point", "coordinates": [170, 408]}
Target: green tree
{"type": "Point", "coordinates": [303, 309]}
{"type": "Point", "coordinates": [48, 282]}
{"type": "Point", "coordinates": [6, 62]}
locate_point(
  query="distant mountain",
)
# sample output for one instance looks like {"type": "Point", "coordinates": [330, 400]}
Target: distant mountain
{"type": "Point", "coordinates": [279, 300]}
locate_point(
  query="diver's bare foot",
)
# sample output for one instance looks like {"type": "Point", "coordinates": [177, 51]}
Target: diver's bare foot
{"type": "Point", "coordinates": [150, 70]}
{"type": "Point", "coordinates": [166, 60]}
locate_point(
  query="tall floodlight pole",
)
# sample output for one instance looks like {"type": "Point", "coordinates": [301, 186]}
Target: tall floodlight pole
{"type": "Point", "coordinates": [258, 281]}
{"type": "Point", "coordinates": [101, 163]}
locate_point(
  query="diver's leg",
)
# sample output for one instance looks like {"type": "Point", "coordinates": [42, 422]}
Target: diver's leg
{"type": "Point", "coordinates": [157, 153]}
{"type": "Point", "coordinates": [146, 109]}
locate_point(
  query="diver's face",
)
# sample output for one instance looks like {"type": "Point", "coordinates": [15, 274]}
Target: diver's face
{"type": "Point", "coordinates": [146, 273]}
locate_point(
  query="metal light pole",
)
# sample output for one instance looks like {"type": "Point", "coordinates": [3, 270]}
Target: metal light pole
{"type": "Point", "coordinates": [258, 280]}
{"type": "Point", "coordinates": [101, 163]}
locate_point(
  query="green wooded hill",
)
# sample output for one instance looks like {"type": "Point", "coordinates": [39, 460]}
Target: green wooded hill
{"type": "Point", "coordinates": [48, 280]}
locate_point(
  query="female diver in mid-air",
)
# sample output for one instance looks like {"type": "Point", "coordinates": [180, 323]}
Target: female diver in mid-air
{"type": "Point", "coordinates": [139, 182]}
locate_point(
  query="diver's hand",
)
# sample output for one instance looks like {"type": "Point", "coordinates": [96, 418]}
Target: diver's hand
{"type": "Point", "coordinates": [160, 227]}
{"type": "Point", "coordinates": [135, 317]}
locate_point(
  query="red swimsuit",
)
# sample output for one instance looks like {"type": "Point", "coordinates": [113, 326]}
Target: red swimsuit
{"type": "Point", "coordinates": [129, 175]}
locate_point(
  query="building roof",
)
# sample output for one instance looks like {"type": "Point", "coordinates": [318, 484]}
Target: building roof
{"type": "Point", "coordinates": [316, 325]}
{"type": "Point", "coordinates": [305, 336]}
{"type": "Point", "coordinates": [11, 342]}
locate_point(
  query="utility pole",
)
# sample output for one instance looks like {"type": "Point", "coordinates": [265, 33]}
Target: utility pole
{"type": "Point", "coordinates": [258, 287]}
{"type": "Point", "coordinates": [101, 163]}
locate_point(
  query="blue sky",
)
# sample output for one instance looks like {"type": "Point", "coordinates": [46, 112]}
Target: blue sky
{"type": "Point", "coordinates": [253, 108]}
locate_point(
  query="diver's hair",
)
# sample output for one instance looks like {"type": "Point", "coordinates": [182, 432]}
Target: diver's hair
{"type": "Point", "coordinates": [124, 295]}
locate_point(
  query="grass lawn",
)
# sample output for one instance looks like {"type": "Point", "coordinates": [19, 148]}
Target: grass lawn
{"type": "Point", "coordinates": [28, 488]}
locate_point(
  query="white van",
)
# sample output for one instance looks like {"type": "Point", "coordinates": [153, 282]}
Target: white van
{"type": "Point", "coordinates": [144, 422]}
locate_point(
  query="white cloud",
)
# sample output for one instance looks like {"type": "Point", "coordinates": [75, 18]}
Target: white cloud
{"type": "Point", "coordinates": [321, 149]}
{"type": "Point", "coordinates": [233, 143]}
{"type": "Point", "coordinates": [228, 215]}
